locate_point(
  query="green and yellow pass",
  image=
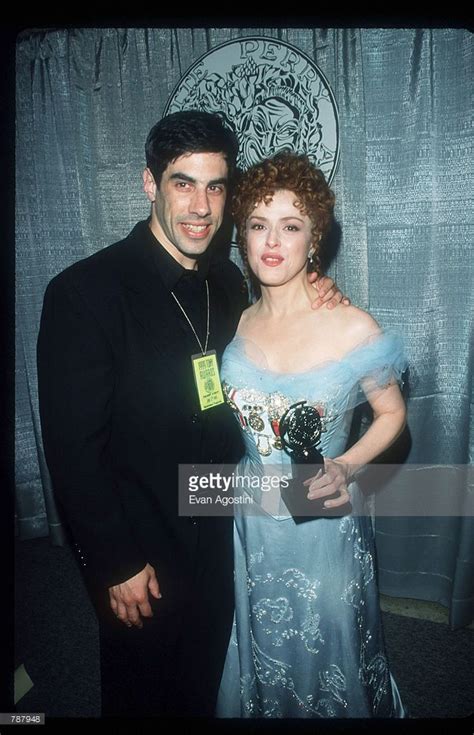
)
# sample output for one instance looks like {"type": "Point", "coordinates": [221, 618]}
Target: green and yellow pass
{"type": "Point", "coordinates": [208, 382]}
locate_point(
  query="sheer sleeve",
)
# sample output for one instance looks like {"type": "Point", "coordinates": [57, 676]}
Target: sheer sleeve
{"type": "Point", "coordinates": [378, 362]}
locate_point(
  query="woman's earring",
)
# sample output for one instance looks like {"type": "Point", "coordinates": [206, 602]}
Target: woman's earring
{"type": "Point", "coordinates": [310, 256]}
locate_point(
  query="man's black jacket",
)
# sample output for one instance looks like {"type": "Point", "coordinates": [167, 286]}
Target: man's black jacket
{"type": "Point", "coordinates": [119, 408]}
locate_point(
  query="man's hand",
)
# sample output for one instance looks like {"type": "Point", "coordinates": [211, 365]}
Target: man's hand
{"type": "Point", "coordinates": [129, 599]}
{"type": "Point", "coordinates": [328, 292]}
{"type": "Point", "coordinates": [335, 479]}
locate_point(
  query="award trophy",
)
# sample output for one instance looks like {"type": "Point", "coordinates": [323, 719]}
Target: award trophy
{"type": "Point", "coordinates": [300, 431]}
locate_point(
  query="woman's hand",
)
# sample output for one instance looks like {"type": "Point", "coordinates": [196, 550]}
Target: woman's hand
{"type": "Point", "coordinates": [335, 479]}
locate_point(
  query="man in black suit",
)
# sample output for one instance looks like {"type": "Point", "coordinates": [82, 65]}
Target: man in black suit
{"type": "Point", "coordinates": [120, 412]}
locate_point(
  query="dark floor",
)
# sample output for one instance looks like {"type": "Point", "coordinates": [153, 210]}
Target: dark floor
{"type": "Point", "coordinates": [56, 640]}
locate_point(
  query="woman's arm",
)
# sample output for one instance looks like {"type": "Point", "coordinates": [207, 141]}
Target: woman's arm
{"type": "Point", "coordinates": [389, 421]}
{"type": "Point", "coordinates": [354, 328]}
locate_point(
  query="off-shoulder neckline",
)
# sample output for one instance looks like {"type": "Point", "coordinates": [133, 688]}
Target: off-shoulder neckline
{"type": "Point", "coordinates": [372, 340]}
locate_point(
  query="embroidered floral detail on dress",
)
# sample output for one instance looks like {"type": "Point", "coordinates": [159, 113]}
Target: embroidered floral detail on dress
{"type": "Point", "coordinates": [296, 579]}
{"type": "Point", "coordinates": [334, 682]}
{"type": "Point", "coordinates": [256, 557]}
{"type": "Point", "coordinates": [271, 708]}
{"type": "Point", "coordinates": [273, 672]}
{"type": "Point", "coordinates": [274, 613]}
{"type": "Point", "coordinates": [347, 526]}
{"type": "Point", "coordinates": [270, 670]}
{"type": "Point", "coordinates": [274, 610]}
{"type": "Point", "coordinates": [377, 678]}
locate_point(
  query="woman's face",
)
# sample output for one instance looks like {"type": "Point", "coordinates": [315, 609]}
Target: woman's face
{"type": "Point", "coordinates": [278, 239]}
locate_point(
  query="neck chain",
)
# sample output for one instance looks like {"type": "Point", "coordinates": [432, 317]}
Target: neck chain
{"type": "Point", "coordinates": [190, 323]}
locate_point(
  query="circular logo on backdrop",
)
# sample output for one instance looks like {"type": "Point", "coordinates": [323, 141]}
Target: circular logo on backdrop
{"type": "Point", "coordinates": [271, 94]}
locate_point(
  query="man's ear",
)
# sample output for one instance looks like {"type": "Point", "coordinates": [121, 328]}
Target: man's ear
{"type": "Point", "coordinates": [149, 186]}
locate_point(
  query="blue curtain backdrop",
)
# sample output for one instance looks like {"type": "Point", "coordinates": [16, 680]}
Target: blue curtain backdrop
{"type": "Point", "coordinates": [86, 99]}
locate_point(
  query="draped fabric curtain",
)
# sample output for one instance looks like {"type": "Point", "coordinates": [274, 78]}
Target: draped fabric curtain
{"type": "Point", "coordinates": [86, 99]}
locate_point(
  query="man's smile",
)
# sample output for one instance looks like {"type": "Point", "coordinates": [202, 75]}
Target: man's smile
{"type": "Point", "coordinates": [196, 230]}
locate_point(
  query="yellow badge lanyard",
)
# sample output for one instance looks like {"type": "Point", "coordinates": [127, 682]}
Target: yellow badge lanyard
{"type": "Point", "coordinates": [205, 369]}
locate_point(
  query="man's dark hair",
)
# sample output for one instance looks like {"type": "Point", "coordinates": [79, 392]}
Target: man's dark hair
{"type": "Point", "coordinates": [189, 131]}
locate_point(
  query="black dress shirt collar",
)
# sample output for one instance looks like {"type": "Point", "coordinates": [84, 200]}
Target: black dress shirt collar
{"type": "Point", "coordinates": [171, 272]}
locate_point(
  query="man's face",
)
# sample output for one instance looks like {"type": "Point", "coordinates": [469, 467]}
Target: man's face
{"type": "Point", "coordinates": [188, 206]}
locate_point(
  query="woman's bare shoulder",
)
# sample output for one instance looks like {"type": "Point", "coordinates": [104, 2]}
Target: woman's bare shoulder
{"type": "Point", "coordinates": [354, 324]}
{"type": "Point", "coordinates": [358, 319]}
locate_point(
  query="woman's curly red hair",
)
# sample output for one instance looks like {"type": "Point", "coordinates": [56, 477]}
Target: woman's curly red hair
{"type": "Point", "coordinates": [292, 172]}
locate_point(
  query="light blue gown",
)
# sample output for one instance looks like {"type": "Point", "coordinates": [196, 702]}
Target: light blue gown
{"type": "Point", "coordinates": [307, 638]}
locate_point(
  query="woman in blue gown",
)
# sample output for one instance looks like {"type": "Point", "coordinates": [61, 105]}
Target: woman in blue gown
{"type": "Point", "coordinates": [307, 638]}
